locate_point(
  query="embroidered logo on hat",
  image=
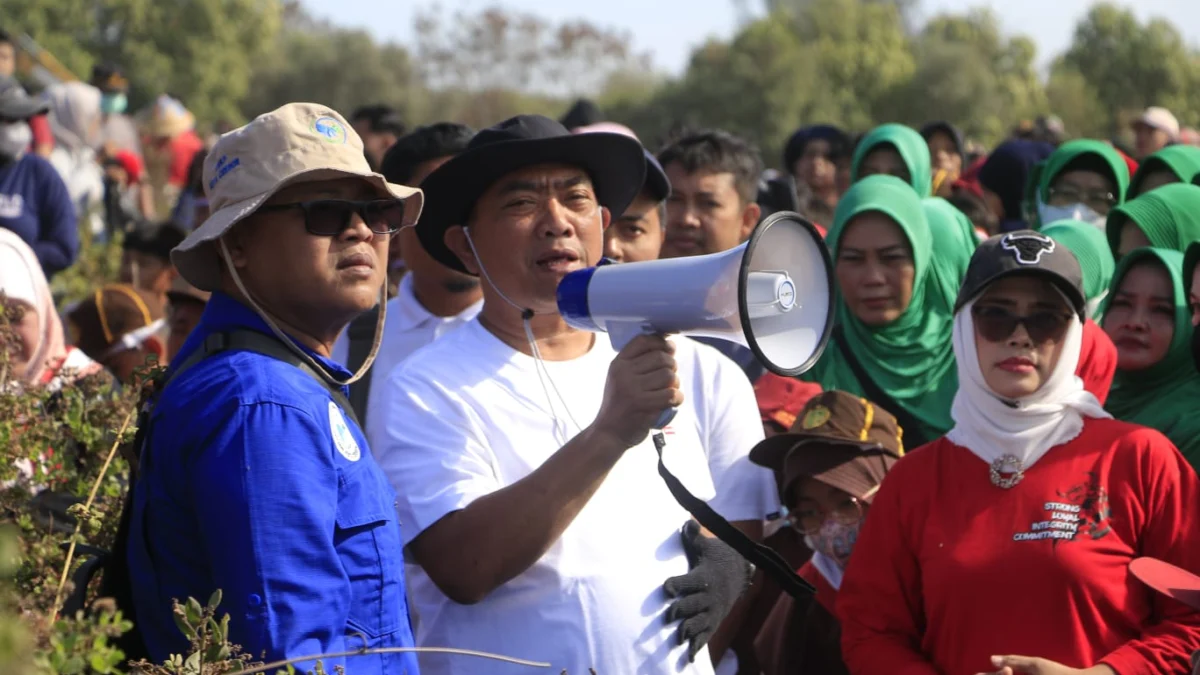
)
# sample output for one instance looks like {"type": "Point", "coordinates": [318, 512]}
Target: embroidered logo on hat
{"type": "Point", "coordinates": [816, 416]}
{"type": "Point", "coordinates": [330, 130]}
{"type": "Point", "coordinates": [1028, 248]}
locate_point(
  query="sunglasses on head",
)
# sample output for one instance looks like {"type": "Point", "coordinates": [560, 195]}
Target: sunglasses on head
{"type": "Point", "coordinates": [997, 324]}
{"type": "Point", "coordinates": [331, 217]}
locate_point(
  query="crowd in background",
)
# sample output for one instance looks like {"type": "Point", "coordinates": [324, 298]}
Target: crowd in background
{"type": "Point", "coordinates": [903, 212]}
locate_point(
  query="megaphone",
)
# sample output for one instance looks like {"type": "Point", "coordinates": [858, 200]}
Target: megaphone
{"type": "Point", "coordinates": [773, 294]}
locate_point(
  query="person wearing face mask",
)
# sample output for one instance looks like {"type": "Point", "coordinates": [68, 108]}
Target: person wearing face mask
{"type": "Point", "coordinates": [117, 132]}
{"type": "Point", "coordinates": [1148, 319]}
{"type": "Point", "coordinates": [34, 201]}
{"type": "Point", "coordinates": [828, 467]}
{"type": "Point", "coordinates": [896, 289]}
{"type": "Point", "coordinates": [1002, 547]}
{"type": "Point", "coordinates": [1082, 180]}
{"type": "Point", "coordinates": [1168, 217]}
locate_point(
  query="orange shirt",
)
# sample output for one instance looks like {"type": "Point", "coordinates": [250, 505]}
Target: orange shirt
{"type": "Point", "coordinates": [950, 569]}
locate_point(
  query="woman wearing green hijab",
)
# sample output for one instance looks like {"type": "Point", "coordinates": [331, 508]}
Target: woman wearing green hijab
{"type": "Point", "coordinates": [1172, 164]}
{"type": "Point", "coordinates": [1091, 250]}
{"type": "Point", "coordinates": [1147, 317]}
{"type": "Point", "coordinates": [894, 150]}
{"type": "Point", "coordinates": [1082, 180]}
{"type": "Point", "coordinates": [896, 292]}
{"type": "Point", "coordinates": [1168, 217]}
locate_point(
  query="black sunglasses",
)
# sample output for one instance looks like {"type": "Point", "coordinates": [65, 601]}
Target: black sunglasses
{"type": "Point", "coordinates": [997, 324]}
{"type": "Point", "coordinates": [331, 217]}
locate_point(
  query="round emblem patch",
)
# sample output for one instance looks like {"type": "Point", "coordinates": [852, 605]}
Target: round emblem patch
{"type": "Point", "coordinates": [816, 417]}
{"type": "Point", "coordinates": [330, 130]}
{"type": "Point", "coordinates": [343, 440]}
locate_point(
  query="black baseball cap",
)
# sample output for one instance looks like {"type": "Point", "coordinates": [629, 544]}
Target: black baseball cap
{"type": "Point", "coordinates": [1023, 252]}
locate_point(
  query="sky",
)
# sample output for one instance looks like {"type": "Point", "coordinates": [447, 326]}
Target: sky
{"type": "Point", "coordinates": [670, 29]}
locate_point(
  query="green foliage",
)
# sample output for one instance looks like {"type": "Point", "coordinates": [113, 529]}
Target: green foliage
{"type": "Point", "coordinates": [96, 265]}
{"type": "Point", "coordinates": [1132, 65]}
{"type": "Point", "coordinates": [202, 51]}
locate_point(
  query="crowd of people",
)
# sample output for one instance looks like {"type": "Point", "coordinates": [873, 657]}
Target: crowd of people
{"type": "Point", "coordinates": [377, 431]}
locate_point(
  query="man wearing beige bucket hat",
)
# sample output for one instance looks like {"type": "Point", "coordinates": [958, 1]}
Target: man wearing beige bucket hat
{"type": "Point", "coordinates": [254, 477]}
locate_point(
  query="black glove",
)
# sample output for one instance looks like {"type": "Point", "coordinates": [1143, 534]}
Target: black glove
{"type": "Point", "coordinates": [706, 593]}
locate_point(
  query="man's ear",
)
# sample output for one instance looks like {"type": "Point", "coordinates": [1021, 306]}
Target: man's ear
{"type": "Point", "coordinates": [605, 218]}
{"type": "Point", "coordinates": [455, 239]}
{"type": "Point", "coordinates": [235, 243]}
{"type": "Point", "coordinates": [750, 216]}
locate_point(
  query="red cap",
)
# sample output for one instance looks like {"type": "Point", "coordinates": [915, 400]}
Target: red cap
{"type": "Point", "coordinates": [131, 163]}
{"type": "Point", "coordinates": [1171, 581]}
{"type": "Point", "coordinates": [781, 398]}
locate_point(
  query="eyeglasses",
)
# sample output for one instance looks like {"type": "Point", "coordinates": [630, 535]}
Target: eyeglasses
{"type": "Point", "coordinates": [809, 519]}
{"type": "Point", "coordinates": [1100, 201]}
{"type": "Point", "coordinates": [997, 324]}
{"type": "Point", "coordinates": [331, 217]}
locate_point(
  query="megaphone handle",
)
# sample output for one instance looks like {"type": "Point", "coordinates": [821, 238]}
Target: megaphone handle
{"type": "Point", "coordinates": [665, 418]}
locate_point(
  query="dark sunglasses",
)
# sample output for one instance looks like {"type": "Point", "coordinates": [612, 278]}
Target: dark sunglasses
{"type": "Point", "coordinates": [331, 217]}
{"type": "Point", "coordinates": [997, 324]}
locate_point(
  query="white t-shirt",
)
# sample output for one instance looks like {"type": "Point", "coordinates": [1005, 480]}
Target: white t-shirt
{"type": "Point", "coordinates": [595, 599]}
{"type": "Point", "coordinates": [407, 327]}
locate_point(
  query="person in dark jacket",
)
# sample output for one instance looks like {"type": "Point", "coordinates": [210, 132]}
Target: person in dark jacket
{"type": "Point", "coordinates": [828, 467]}
{"type": "Point", "coordinates": [1005, 178]}
{"type": "Point", "coordinates": [34, 202]}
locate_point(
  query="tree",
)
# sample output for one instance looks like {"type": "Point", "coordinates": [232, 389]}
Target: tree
{"type": "Point", "coordinates": [341, 68]}
{"type": "Point", "coordinates": [862, 53]}
{"type": "Point", "coordinates": [1070, 96]}
{"type": "Point", "coordinates": [1131, 66]}
{"type": "Point", "coordinates": [200, 51]}
{"type": "Point", "coordinates": [499, 49]}
{"type": "Point", "coordinates": [969, 73]}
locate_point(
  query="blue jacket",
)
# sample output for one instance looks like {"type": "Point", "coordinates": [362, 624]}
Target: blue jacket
{"type": "Point", "coordinates": [255, 483]}
{"type": "Point", "coordinates": [35, 204]}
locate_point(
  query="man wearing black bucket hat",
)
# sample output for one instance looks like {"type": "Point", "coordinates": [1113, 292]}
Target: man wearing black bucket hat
{"type": "Point", "coordinates": [533, 512]}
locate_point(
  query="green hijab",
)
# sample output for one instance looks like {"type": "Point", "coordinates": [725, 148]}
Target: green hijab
{"type": "Point", "coordinates": [947, 223]}
{"type": "Point", "coordinates": [1072, 150]}
{"type": "Point", "coordinates": [1163, 396]}
{"type": "Point", "coordinates": [1168, 216]}
{"type": "Point", "coordinates": [911, 359]}
{"type": "Point", "coordinates": [912, 149]}
{"type": "Point", "coordinates": [1091, 249]}
{"type": "Point", "coordinates": [1181, 160]}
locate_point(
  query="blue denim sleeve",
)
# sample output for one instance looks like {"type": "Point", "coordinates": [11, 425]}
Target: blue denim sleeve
{"type": "Point", "coordinates": [266, 494]}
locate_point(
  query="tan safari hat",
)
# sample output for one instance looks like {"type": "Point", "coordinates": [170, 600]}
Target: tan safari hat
{"type": "Point", "coordinates": [297, 142]}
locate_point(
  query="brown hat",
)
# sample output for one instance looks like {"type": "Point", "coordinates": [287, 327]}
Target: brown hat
{"type": "Point", "coordinates": [839, 439]}
{"type": "Point", "coordinates": [110, 314]}
{"type": "Point", "coordinates": [182, 291]}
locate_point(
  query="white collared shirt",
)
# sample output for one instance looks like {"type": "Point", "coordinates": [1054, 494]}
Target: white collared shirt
{"type": "Point", "coordinates": [488, 416]}
{"type": "Point", "coordinates": [408, 327]}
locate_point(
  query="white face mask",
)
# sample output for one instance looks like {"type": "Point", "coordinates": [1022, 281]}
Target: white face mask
{"type": "Point", "coordinates": [15, 138]}
{"type": "Point", "coordinates": [1082, 212]}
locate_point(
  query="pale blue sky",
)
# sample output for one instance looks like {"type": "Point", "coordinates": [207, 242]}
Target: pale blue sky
{"type": "Point", "coordinates": [669, 29]}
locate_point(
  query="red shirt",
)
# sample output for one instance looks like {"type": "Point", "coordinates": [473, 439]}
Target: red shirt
{"type": "Point", "coordinates": [950, 569]}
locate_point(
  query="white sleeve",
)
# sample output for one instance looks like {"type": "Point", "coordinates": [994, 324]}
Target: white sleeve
{"type": "Point", "coordinates": [430, 446]}
{"type": "Point", "coordinates": [731, 427]}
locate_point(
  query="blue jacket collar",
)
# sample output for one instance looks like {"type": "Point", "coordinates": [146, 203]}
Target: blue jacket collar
{"type": "Point", "coordinates": [225, 313]}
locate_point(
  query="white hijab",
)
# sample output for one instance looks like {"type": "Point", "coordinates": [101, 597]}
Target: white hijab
{"type": "Point", "coordinates": [1026, 428]}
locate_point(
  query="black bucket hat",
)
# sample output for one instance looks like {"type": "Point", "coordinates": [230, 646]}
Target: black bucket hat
{"type": "Point", "coordinates": [615, 163]}
{"type": "Point", "coordinates": [15, 104]}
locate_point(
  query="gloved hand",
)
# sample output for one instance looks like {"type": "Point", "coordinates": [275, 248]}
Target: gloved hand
{"type": "Point", "coordinates": [705, 594]}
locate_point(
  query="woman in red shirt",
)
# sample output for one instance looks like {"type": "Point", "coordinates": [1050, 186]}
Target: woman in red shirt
{"type": "Point", "coordinates": [1004, 546]}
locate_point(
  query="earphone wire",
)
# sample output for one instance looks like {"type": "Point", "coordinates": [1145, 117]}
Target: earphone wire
{"type": "Point", "coordinates": [543, 372]}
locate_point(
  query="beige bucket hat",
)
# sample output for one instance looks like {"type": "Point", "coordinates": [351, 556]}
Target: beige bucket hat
{"type": "Point", "coordinates": [297, 142]}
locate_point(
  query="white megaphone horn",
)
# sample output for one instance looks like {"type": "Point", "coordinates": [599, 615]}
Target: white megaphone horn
{"type": "Point", "coordinates": [773, 294]}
